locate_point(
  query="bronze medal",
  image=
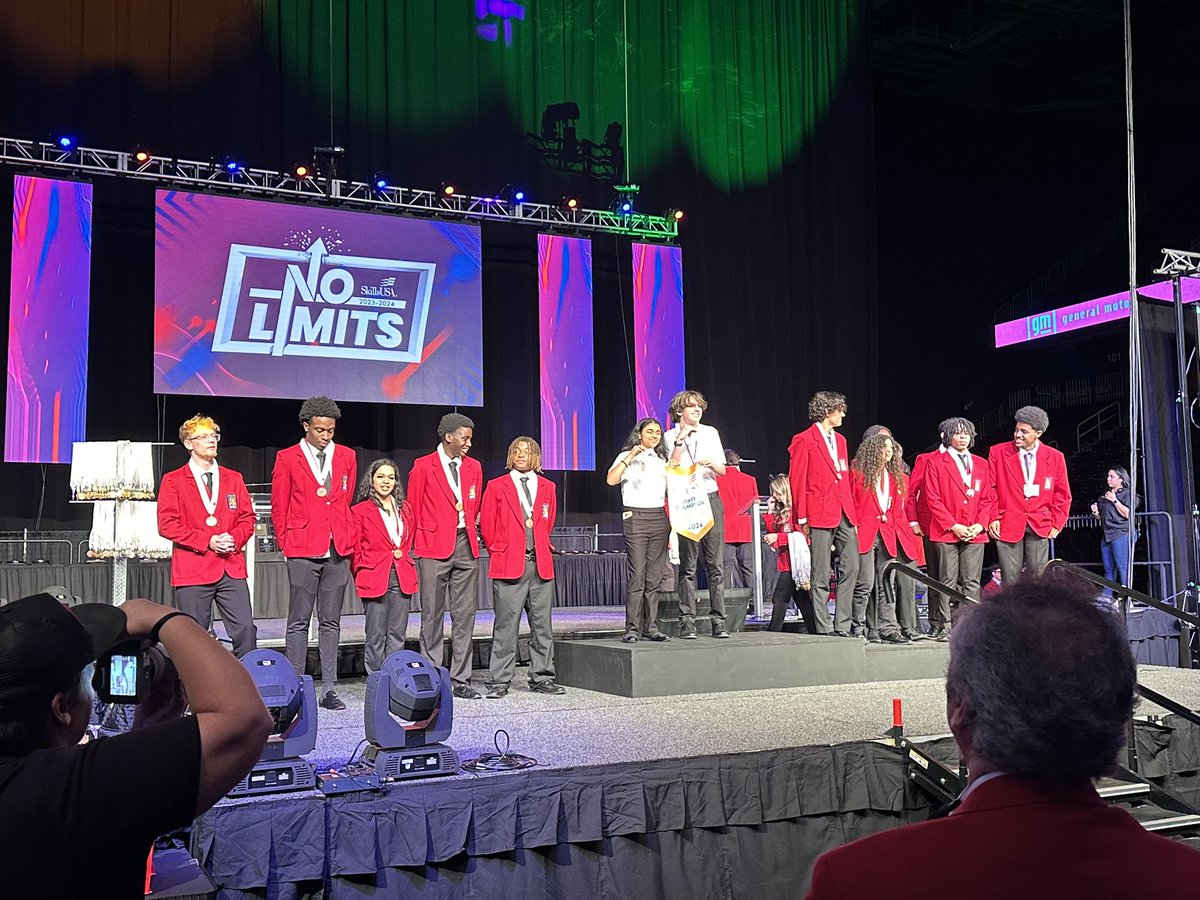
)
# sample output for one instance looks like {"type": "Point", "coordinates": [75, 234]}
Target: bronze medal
{"type": "Point", "coordinates": [210, 521]}
{"type": "Point", "coordinates": [321, 492]}
{"type": "Point", "coordinates": [397, 553]}
{"type": "Point", "coordinates": [529, 523]}
{"type": "Point", "coordinates": [458, 506]}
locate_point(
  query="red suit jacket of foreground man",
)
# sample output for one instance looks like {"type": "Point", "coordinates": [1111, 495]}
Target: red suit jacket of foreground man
{"type": "Point", "coordinates": [1012, 838]}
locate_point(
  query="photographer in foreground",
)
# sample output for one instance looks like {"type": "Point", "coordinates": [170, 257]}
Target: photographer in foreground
{"type": "Point", "coordinates": [79, 819]}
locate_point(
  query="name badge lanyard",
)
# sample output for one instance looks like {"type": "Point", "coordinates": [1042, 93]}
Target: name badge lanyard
{"type": "Point", "coordinates": [395, 527]}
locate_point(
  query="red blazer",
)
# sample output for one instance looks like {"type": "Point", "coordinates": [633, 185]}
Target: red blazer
{"type": "Point", "coordinates": [1013, 837]}
{"type": "Point", "coordinates": [952, 503]}
{"type": "Point", "coordinates": [503, 524]}
{"type": "Point", "coordinates": [893, 526]}
{"type": "Point", "coordinates": [181, 516]}
{"type": "Point", "coordinates": [916, 507]}
{"type": "Point", "coordinates": [304, 522]}
{"type": "Point", "coordinates": [737, 490]}
{"type": "Point", "coordinates": [433, 501]}
{"type": "Point", "coordinates": [783, 558]}
{"type": "Point", "coordinates": [820, 493]}
{"type": "Point", "coordinates": [373, 552]}
{"type": "Point", "coordinates": [1049, 509]}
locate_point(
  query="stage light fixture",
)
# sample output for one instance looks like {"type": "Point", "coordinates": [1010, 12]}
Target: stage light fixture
{"type": "Point", "coordinates": [64, 141]}
{"type": "Point", "coordinates": [302, 171]}
{"type": "Point", "coordinates": [292, 702]}
{"type": "Point", "coordinates": [141, 155]}
{"type": "Point", "coordinates": [519, 197]}
{"type": "Point", "coordinates": [570, 204]}
{"type": "Point", "coordinates": [675, 214]}
{"type": "Point", "coordinates": [409, 711]}
{"type": "Point", "coordinates": [229, 164]}
{"type": "Point", "coordinates": [380, 181]}
{"type": "Point", "coordinates": [448, 189]}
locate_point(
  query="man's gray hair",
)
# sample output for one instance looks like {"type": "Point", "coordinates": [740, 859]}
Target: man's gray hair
{"type": "Point", "coordinates": [1033, 416]}
{"type": "Point", "coordinates": [1046, 676]}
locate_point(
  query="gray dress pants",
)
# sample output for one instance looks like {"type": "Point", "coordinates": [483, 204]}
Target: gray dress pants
{"type": "Point", "coordinates": [232, 597]}
{"type": "Point", "coordinates": [453, 583]}
{"type": "Point", "coordinates": [534, 595]}
{"type": "Point", "coordinates": [320, 583]}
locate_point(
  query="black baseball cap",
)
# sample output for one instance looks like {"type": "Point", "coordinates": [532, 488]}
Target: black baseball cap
{"type": "Point", "coordinates": [43, 645]}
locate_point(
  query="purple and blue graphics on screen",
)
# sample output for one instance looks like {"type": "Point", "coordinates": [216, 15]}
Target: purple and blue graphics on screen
{"type": "Point", "coordinates": [48, 319]}
{"type": "Point", "coordinates": [657, 327]}
{"type": "Point", "coordinates": [257, 299]}
{"type": "Point", "coordinates": [567, 378]}
{"type": "Point", "coordinates": [1112, 308]}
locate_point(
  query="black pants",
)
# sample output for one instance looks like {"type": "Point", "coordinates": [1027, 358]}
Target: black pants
{"type": "Point", "coordinates": [712, 545]}
{"type": "Point", "coordinates": [232, 597]}
{"type": "Point", "coordinates": [785, 591]}
{"type": "Point", "coordinates": [646, 535]}
{"type": "Point", "coordinates": [387, 623]}
{"type": "Point", "coordinates": [320, 583]}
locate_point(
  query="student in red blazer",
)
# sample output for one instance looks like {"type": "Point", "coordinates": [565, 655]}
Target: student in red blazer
{"type": "Point", "coordinates": [779, 528]}
{"type": "Point", "coordinates": [1035, 720]}
{"type": "Point", "coordinates": [819, 475]}
{"type": "Point", "coordinates": [878, 485]}
{"type": "Point", "coordinates": [204, 510]}
{"type": "Point", "coordinates": [917, 512]}
{"type": "Point", "coordinates": [961, 505]}
{"type": "Point", "coordinates": [311, 488]}
{"type": "Point", "coordinates": [445, 489]}
{"type": "Point", "coordinates": [384, 572]}
{"type": "Point", "coordinates": [518, 515]}
{"type": "Point", "coordinates": [1033, 496]}
{"type": "Point", "coordinates": [738, 490]}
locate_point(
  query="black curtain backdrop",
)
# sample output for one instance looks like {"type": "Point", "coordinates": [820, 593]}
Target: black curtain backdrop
{"type": "Point", "coordinates": [756, 119]}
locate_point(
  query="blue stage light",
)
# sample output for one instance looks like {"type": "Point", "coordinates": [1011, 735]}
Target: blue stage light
{"type": "Point", "coordinates": [381, 182]}
{"type": "Point", "coordinates": [232, 165]}
{"type": "Point", "coordinates": [627, 207]}
{"type": "Point", "coordinates": [519, 196]}
{"type": "Point", "coordinates": [66, 141]}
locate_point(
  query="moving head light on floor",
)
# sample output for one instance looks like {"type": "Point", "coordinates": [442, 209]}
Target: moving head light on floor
{"type": "Point", "coordinates": [292, 702]}
{"type": "Point", "coordinates": [408, 713]}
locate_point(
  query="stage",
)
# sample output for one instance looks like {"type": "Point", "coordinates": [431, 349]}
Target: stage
{"type": "Point", "coordinates": [723, 794]}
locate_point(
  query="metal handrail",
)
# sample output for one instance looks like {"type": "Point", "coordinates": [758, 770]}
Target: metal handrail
{"type": "Point", "coordinates": [1168, 704]}
{"type": "Point", "coordinates": [1124, 591]}
{"type": "Point", "coordinates": [913, 572]}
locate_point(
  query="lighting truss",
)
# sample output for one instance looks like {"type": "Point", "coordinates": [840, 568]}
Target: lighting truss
{"type": "Point", "coordinates": [214, 176]}
{"type": "Point", "coordinates": [1179, 262]}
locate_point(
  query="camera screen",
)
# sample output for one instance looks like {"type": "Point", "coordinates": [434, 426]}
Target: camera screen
{"type": "Point", "coordinates": [122, 676]}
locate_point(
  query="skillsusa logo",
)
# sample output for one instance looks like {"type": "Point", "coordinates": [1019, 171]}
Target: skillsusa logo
{"type": "Point", "coordinates": [285, 302]}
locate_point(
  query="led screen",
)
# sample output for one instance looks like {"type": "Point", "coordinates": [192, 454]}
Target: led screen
{"type": "Point", "coordinates": [657, 327]}
{"type": "Point", "coordinates": [257, 299]}
{"type": "Point", "coordinates": [567, 377]}
{"type": "Point", "coordinates": [48, 319]}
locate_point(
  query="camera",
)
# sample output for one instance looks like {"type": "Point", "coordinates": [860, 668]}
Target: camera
{"type": "Point", "coordinates": [124, 674]}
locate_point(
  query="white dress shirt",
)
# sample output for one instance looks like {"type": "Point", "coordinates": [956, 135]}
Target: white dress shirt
{"type": "Point", "coordinates": [703, 443]}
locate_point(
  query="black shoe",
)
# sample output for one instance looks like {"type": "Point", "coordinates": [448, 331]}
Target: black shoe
{"type": "Point", "coordinates": [914, 635]}
{"type": "Point", "coordinates": [873, 637]}
{"type": "Point", "coordinates": [497, 692]}
{"type": "Point", "coordinates": [857, 631]}
{"type": "Point", "coordinates": [465, 692]}
{"type": "Point", "coordinates": [895, 637]}
{"type": "Point", "coordinates": [943, 634]}
{"type": "Point", "coordinates": [332, 701]}
{"type": "Point", "coordinates": [719, 630]}
{"type": "Point", "coordinates": [844, 634]}
{"type": "Point", "coordinates": [547, 687]}
{"type": "Point", "coordinates": [658, 636]}
{"type": "Point", "coordinates": [630, 637]}
{"type": "Point", "coordinates": [687, 631]}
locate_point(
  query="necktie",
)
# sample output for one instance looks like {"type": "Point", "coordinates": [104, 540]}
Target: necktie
{"type": "Point", "coordinates": [1028, 464]}
{"type": "Point", "coordinates": [208, 483]}
{"type": "Point", "coordinates": [832, 445]}
{"type": "Point", "coordinates": [525, 488]}
{"type": "Point", "coordinates": [966, 462]}
{"type": "Point", "coordinates": [321, 459]}
{"type": "Point", "coordinates": [454, 471]}
{"type": "Point", "coordinates": [529, 515]}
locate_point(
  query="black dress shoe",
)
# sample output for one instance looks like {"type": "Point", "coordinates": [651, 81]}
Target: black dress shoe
{"type": "Point", "coordinates": [332, 701]}
{"type": "Point", "coordinates": [466, 692]}
{"type": "Point", "coordinates": [913, 634]}
{"type": "Point", "coordinates": [659, 636]}
{"type": "Point", "coordinates": [845, 634]}
{"type": "Point", "coordinates": [547, 687]}
{"type": "Point", "coordinates": [497, 692]}
{"type": "Point", "coordinates": [895, 637]}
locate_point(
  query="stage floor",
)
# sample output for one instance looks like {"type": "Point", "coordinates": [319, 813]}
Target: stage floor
{"type": "Point", "coordinates": [588, 728]}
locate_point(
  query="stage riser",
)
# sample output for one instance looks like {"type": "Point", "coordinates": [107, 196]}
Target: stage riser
{"type": "Point", "coordinates": [744, 662]}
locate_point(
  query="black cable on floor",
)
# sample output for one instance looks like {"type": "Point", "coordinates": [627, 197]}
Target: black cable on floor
{"type": "Point", "coordinates": [501, 760]}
